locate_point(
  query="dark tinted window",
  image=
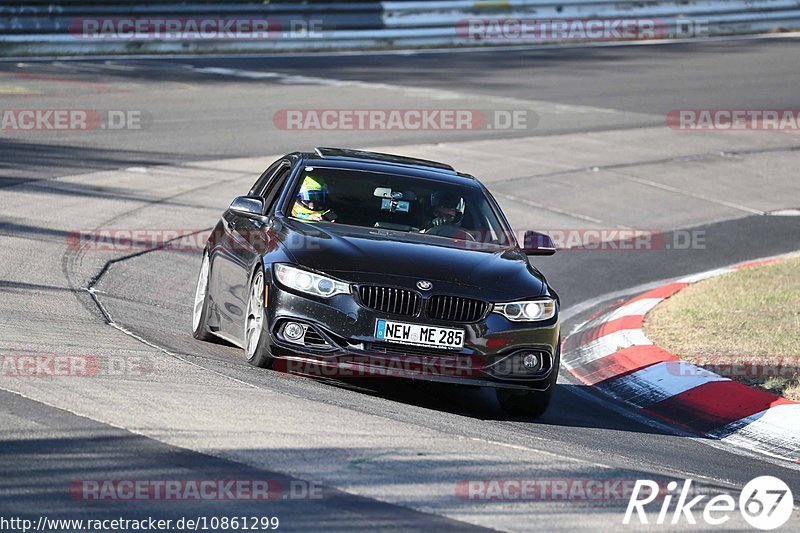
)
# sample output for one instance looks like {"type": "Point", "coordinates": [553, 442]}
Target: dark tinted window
{"type": "Point", "coordinates": [399, 203]}
{"type": "Point", "coordinates": [261, 183]}
{"type": "Point", "coordinates": [276, 186]}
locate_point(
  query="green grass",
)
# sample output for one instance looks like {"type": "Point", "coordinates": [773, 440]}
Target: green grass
{"type": "Point", "coordinates": [745, 325]}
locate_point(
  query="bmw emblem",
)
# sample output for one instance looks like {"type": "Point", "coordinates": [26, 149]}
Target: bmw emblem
{"type": "Point", "coordinates": [424, 285]}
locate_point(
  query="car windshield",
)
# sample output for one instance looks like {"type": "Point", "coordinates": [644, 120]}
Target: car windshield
{"type": "Point", "coordinates": [398, 203]}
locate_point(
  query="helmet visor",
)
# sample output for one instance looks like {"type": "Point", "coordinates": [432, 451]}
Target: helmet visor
{"type": "Point", "coordinates": [316, 197]}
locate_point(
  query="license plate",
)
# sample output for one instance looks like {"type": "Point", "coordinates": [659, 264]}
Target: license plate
{"type": "Point", "coordinates": [419, 334]}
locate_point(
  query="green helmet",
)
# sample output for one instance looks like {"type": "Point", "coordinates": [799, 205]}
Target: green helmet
{"type": "Point", "coordinates": [313, 190]}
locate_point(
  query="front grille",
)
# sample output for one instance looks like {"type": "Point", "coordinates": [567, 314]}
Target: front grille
{"type": "Point", "coordinates": [456, 308]}
{"type": "Point", "coordinates": [389, 299]}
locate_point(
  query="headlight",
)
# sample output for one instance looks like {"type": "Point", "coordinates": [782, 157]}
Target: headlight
{"type": "Point", "coordinates": [527, 311]}
{"type": "Point", "coordinates": [308, 282]}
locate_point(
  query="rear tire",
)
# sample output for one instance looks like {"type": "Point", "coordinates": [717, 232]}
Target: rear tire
{"type": "Point", "coordinates": [200, 329]}
{"type": "Point", "coordinates": [255, 342]}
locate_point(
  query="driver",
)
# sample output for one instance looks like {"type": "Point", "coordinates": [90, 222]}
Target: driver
{"type": "Point", "coordinates": [445, 210]}
{"type": "Point", "coordinates": [312, 201]}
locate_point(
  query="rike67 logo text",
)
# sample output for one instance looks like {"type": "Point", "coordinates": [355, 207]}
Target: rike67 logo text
{"type": "Point", "coordinates": [765, 503]}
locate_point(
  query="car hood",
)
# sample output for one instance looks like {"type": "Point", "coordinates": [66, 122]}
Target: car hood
{"type": "Point", "coordinates": [349, 253]}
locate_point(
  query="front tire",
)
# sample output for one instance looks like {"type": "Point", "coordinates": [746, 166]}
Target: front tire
{"type": "Point", "coordinates": [255, 349]}
{"type": "Point", "coordinates": [200, 329]}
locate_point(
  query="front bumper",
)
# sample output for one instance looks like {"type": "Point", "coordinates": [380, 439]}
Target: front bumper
{"type": "Point", "coordinates": [341, 343]}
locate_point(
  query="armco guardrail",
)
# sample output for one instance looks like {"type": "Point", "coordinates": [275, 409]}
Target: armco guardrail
{"type": "Point", "coordinates": [153, 26]}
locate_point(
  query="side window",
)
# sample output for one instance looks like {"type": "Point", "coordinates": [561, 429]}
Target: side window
{"type": "Point", "coordinates": [263, 180]}
{"type": "Point", "coordinates": [275, 186]}
{"type": "Point", "coordinates": [259, 185]}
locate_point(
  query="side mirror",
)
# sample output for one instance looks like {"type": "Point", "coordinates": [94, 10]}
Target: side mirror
{"type": "Point", "coordinates": [536, 243]}
{"type": "Point", "coordinates": [252, 206]}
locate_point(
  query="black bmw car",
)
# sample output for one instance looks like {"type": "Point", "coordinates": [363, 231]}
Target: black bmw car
{"type": "Point", "coordinates": [367, 264]}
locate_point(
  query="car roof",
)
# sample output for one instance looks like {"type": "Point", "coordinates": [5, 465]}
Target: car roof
{"type": "Point", "coordinates": [378, 162]}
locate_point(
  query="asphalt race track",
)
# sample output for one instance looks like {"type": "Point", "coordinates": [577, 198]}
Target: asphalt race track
{"type": "Point", "coordinates": [382, 454]}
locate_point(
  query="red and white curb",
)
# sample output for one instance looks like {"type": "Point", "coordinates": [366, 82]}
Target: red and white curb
{"type": "Point", "coordinates": [611, 353]}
